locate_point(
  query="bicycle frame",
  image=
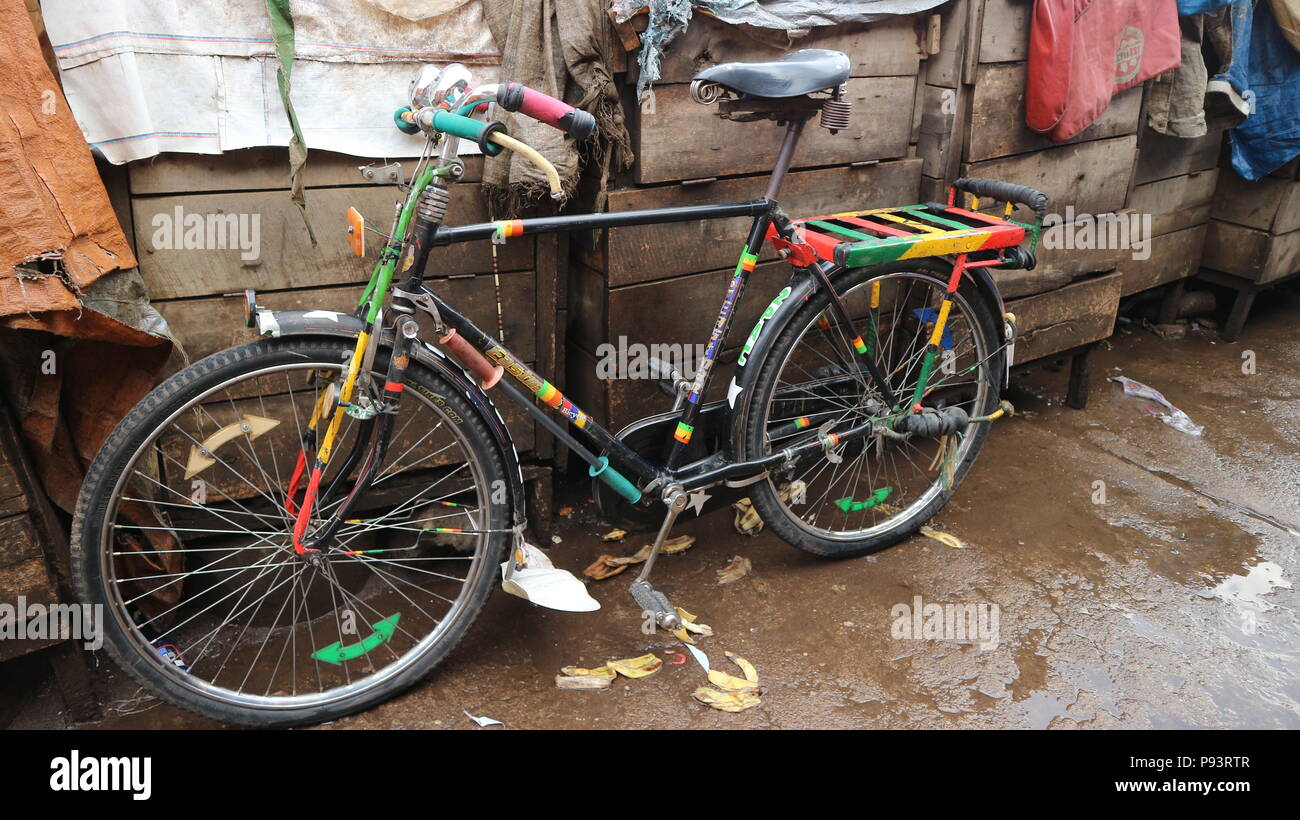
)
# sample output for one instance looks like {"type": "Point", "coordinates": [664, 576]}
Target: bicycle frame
{"type": "Point", "coordinates": [411, 252]}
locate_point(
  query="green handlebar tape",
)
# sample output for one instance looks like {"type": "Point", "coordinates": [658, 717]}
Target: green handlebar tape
{"type": "Point", "coordinates": [466, 128]}
{"type": "Point", "coordinates": [615, 479]}
{"type": "Point", "coordinates": [402, 125]}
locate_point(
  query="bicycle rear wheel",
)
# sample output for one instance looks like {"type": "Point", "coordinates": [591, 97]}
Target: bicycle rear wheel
{"type": "Point", "coordinates": [880, 490]}
{"type": "Point", "coordinates": [183, 533]}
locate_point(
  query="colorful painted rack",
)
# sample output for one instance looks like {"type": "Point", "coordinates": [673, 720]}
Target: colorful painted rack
{"type": "Point", "coordinates": [858, 238]}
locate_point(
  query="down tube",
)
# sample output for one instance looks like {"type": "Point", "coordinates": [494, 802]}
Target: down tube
{"type": "Point", "coordinates": [620, 454]}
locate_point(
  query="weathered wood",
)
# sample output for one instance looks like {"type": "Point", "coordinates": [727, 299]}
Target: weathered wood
{"type": "Point", "coordinates": [23, 572]}
{"type": "Point", "coordinates": [1004, 35]}
{"type": "Point", "coordinates": [260, 169]}
{"type": "Point", "coordinates": [1163, 156]}
{"type": "Point", "coordinates": [287, 258]}
{"type": "Point", "coordinates": [1177, 202]}
{"type": "Point", "coordinates": [1065, 318]}
{"type": "Point", "coordinates": [1092, 176]}
{"type": "Point", "coordinates": [1268, 204]}
{"type": "Point", "coordinates": [997, 124]}
{"type": "Point", "coordinates": [886, 48]}
{"type": "Point", "coordinates": [679, 311]}
{"type": "Point", "coordinates": [649, 252]}
{"type": "Point", "coordinates": [936, 142]}
{"type": "Point", "coordinates": [1255, 255]}
{"type": "Point", "coordinates": [1173, 256]}
{"type": "Point", "coordinates": [944, 68]}
{"type": "Point", "coordinates": [205, 325]}
{"type": "Point", "coordinates": [12, 498]}
{"type": "Point", "coordinates": [685, 140]}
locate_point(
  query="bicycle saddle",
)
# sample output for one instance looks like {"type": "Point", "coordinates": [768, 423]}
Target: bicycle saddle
{"type": "Point", "coordinates": [795, 74]}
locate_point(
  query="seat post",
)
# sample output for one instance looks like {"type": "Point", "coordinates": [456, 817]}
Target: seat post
{"type": "Point", "coordinates": [792, 131]}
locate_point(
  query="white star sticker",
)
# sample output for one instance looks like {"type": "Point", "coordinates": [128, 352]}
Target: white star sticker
{"type": "Point", "coordinates": [697, 500]}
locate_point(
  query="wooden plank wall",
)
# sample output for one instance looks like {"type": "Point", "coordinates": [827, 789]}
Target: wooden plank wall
{"type": "Point", "coordinates": [1255, 232]}
{"type": "Point", "coordinates": [189, 287]}
{"type": "Point", "coordinates": [663, 284]}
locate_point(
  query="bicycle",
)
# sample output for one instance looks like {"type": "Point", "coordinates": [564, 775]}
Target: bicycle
{"type": "Point", "coordinates": [300, 527]}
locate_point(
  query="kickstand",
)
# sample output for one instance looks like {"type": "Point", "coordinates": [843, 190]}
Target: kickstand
{"type": "Point", "coordinates": [652, 601]}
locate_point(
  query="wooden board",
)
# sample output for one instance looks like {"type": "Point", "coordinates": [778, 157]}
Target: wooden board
{"type": "Point", "coordinates": [1173, 256]}
{"type": "Point", "coordinates": [1092, 176]}
{"type": "Point", "coordinates": [1065, 318]}
{"type": "Point", "coordinates": [1177, 202]}
{"type": "Point", "coordinates": [1057, 256]}
{"type": "Point", "coordinates": [287, 258]}
{"type": "Point", "coordinates": [684, 308]}
{"type": "Point", "coordinates": [618, 402]}
{"type": "Point", "coordinates": [944, 68]}
{"type": "Point", "coordinates": [207, 324]}
{"type": "Point", "coordinates": [23, 572]}
{"type": "Point", "coordinates": [1162, 156]}
{"type": "Point", "coordinates": [1255, 255]}
{"type": "Point", "coordinates": [260, 169]}
{"type": "Point", "coordinates": [639, 254]}
{"type": "Point", "coordinates": [886, 48]}
{"type": "Point", "coordinates": [1004, 35]}
{"type": "Point", "coordinates": [997, 119]}
{"type": "Point", "coordinates": [1268, 204]}
{"type": "Point", "coordinates": [685, 140]}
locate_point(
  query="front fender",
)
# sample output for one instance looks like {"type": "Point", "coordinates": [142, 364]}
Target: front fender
{"type": "Point", "coordinates": [285, 323]}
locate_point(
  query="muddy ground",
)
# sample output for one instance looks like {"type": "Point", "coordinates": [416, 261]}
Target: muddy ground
{"type": "Point", "coordinates": [1173, 604]}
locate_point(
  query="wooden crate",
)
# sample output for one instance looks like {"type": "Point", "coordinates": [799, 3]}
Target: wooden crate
{"type": "Point", "coordinates": [684, 140]}
{"type": "Point", "coordinates": [1177, 202]}
{"type": "Point", "coordinates": [997, 118]}
{"type": "Point", "coordinates": [1254, 255]}
{"type": "Point", "coordinates": [1173, 256]}
{"type": "Point", "coordinates": [1269, 204]}
{"type": "Point", "coordinates": [1091, 176]}
{"type": "Point", "coordinates": [1065, 318]}
{"type": "Point", "coordinates": [1163, 156]}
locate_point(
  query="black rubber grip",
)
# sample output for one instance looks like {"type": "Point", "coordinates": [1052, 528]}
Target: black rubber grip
{"type": "Point", "coordinates": [1005, 192]}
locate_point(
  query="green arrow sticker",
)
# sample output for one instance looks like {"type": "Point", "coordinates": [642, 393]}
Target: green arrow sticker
{"type": "Point", "coordinates": [336, 653]}
{"type": "Point", "coordinates": [849, 505]}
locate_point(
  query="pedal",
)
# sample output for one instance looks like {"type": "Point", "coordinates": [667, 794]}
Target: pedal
{"type": "Point", "coordinates": [655, 603]}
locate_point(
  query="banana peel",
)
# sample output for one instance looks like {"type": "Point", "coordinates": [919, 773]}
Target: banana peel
{"type": "Point", "coordinates": [738, 568]}
{"type": "Point", "coordinates": [641, 667]}
{"type": "Point", "coordinates": [607, 566]}
{"type": "Point", "coordinates": [732, 694]}
{"type": "Point", "coordinates": [577, 677]}
{"type": "Point", "coordinates": [690, 625]}
{"type": "Point", "coordinates": [945, 538]}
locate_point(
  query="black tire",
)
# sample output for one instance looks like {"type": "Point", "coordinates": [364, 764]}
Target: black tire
{"type": "Point", "coordinates": [104, 481]}
{"type": "Point", "coordinates": [766, 494]}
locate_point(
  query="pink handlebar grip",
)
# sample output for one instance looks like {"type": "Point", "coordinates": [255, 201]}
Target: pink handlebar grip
{"type": "Point", "coordinates": [544, 108]}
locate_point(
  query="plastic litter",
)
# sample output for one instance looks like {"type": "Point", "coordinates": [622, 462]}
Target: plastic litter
{"type": "Point", "coordinates": [483, 721]}
{"type": "Point", "coordinates": [1174, 418]}
{"type": "Point", "coordinates": [540, 582]}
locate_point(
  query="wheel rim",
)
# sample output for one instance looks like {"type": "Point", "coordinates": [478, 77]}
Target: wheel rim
{"type": "Point", "coordinates": [878, 484]}
{"type": "Point", "coordinates": [260, 627]}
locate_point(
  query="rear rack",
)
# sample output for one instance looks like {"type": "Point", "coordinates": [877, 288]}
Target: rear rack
{"type": "Point", "coordinates": [856, 238]}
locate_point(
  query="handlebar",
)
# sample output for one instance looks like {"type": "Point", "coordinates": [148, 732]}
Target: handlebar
{"type": "Point", "coordinates": [546, 109]}
{"type": "Point", "coordinates": [1005, 192]}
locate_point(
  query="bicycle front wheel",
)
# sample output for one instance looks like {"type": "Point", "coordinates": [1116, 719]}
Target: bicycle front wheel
{"type": "Point", "coordinates": [870, 493]}
{"type": "Point", "coordinates": [183, 533]}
